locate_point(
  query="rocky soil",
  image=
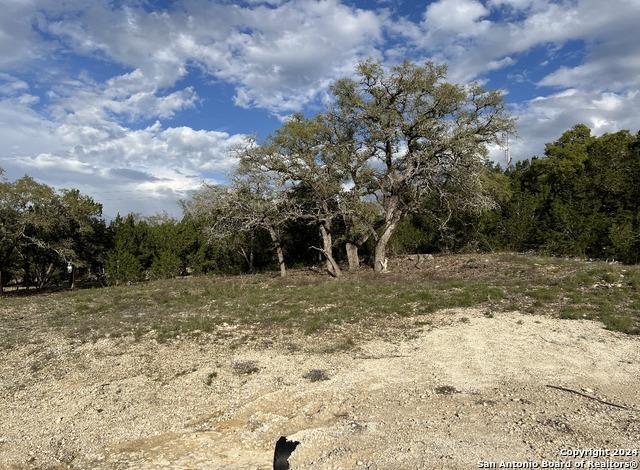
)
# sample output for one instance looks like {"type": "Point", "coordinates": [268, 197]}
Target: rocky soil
{"type": "Point", "coordinates": [455, 390]}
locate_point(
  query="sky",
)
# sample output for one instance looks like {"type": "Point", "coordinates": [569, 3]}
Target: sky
{"type": "Point", "coordinates": [136, 103]}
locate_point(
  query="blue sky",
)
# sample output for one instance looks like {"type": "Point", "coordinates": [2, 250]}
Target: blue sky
{"type": "Point", "coordinates": [136, 102]}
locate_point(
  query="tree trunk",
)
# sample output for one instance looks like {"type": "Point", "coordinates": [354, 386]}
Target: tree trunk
{"type": "Point", "coordinates": [279, 252]}
{"type": "Point", "coordinates": [248, 257]}
{"type": "Point", "coordinates": [327, 250]}
{"type": "Point", "coordinates": [380, 256]}
{"type": "Point", "coordinates": [72, 278]}
{"type": "Point", "coordinates": [351, 245]}
{"type": "Point", "coordinates": [1, 284]}
{"type": "Point", "coordinates": [354, 242]}
{"type": "Point", "coordinates": [392, 217]}
{"type": "Point", "coordinates": [352, 255]}
{"type": "Point", "coordinates": [43, 275]}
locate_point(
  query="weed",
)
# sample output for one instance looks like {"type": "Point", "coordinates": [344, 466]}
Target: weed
{"type": "Point", "coordinates": [138, 333]}
{"type": "Point", "coordinates": [210, 377]}
{"type": "Point", "coordinates": [246, 367]}
{"type": "Point", "coordinates": [316, 375]}
{"type": "Point", "coordinates": [343, 344]}
{"type": "Point", "coordinates": [83, 308]}
{"type": "Point", "coordinates": [36, 366]}
{"type": "Point", "coordinates": [568, 312]}
{"type": "Point", "coordinates": [446, 390]}
{"type": "Point", "coordinates": [544, 294]}
{"type": "Point", "coordinates": [313, 326]}
{"type": "Point", "coordinates": [619, 323]}
{"type": "Point", "coordinates": [633, 279]}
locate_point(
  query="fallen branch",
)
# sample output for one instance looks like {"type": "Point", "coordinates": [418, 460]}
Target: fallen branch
{"type": "Point", "coordinates": [385, 356]}
{"type": "Point", "coordinates": [590, 397]}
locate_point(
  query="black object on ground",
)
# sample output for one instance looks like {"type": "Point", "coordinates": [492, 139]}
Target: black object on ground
{"type": "Point", "coordinates": [284, 448]}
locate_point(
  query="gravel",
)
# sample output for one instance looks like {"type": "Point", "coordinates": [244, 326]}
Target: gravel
{"type": "Point", "coordinates": [454, 394]}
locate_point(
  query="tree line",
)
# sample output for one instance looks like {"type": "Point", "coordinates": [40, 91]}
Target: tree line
{"type": "Point", "coordinates": [581, 199]}
{"type": "Point", "coordinates": [396, 163]}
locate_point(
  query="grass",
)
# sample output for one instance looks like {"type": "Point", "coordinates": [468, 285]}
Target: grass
{"type": "Point", "coordinates": [316, 375]}
{"type": "Point", "coordinates": [315, 304]}
{"type": "Point", "coordinates": [210, 377]}
{"type": "Point", "coordinates": [246, 367]}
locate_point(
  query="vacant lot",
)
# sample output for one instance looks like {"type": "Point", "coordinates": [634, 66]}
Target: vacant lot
{"type": "Point", "coordinates": [442, 363]}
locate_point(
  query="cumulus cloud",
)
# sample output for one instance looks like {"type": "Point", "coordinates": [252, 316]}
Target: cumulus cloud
{"type": "Point", "coordinates": [154, 163]}
{"type": "Point", "coordinates": [154, 148]}
{"type": "Point", "coordinates": [147, 104]}
{"type": "Point", "coordinates": [19, 42]}
{"type": "Point", "coordinates": [84, 104]}
{"type": "Point", "coordinates": [599, 87]}
{"type": "Point", "coordinates": [544, 118]}
{"type": "Point", "coordinates": [471, 36]}
{"type": "Point", "coordinates": [461, 17]}
{"type": "Point", "coordinates": [279, 55]}
{"type": "Point", "coordinates": [22, 129]}
{"type": "Point", "coordinates": [282, 69]}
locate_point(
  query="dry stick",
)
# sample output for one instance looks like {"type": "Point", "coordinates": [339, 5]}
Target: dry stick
{"type": "Point", "coordinates": [386, 356]}
{"type": "Point", "coordinates": [590, 397]}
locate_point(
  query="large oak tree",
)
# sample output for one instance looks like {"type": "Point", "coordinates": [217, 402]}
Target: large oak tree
{"type": "Point", "coordinates": [400, 139]}
{"type": "Point", "coordinates": [423, 138]}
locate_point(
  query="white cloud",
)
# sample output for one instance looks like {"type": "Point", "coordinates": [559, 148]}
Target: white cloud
{"type": "Point", "coordinates": [49, 162]}
{"type": "Point", "coordinates": [12, 86]}
{"type": "Point", "coordinates": [279, 56]}
{"type": "Point", "coordinates": [81, 127]}
{"type": "Point", "coordinates": [153, 166]}
{"type": "Point", "coordinates": [545, 118]}
{"type": "Point", "coordinates": [456, 16]}
{"type": "Point", "coordinates": [293, 52]}
{"type": "Point", "coordinates": [611, 60]}
{"type": "Point", "coordinates": [147, 104]}
{"type": "Point", "coordinates": [155, 147]}
{"type": "Point", "coordinates": [472, 36]}
{"type": "Point", "coordinates": [23, 130]}
{"type": "Point", "coordinates": [19, 43]}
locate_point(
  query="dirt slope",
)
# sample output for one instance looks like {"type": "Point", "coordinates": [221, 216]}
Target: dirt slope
{"type": "Point", "coordinates": [451, 394]}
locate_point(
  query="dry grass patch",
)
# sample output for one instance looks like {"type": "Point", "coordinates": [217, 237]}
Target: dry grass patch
{"type": "Point", "coordinates": [346, 309]}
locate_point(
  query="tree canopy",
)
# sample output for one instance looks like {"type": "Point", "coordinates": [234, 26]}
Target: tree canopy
{"type": "Point", "coordinates": [396, 140]}
{"type": "Point", "coordinates": [42, 228]}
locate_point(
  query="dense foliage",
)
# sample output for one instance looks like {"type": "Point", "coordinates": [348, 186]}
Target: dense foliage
{"type": "Point", "coordinates": [397, 164]}
{"type": "Point", "coordinates": [43, 232]}
{"type": "Point", "coordinates": [581, 199]}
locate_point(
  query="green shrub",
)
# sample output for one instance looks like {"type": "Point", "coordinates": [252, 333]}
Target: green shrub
{"type": "Point", "coordinates": [123, 268]}
{"type": "Point", "coordinates": [624, 242]}
{"type": "Point", "coordinates": [165, 266]}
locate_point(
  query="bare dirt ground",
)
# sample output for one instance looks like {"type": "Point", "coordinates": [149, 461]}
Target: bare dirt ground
{"type": "Point", "coordinates": [461, 391]}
